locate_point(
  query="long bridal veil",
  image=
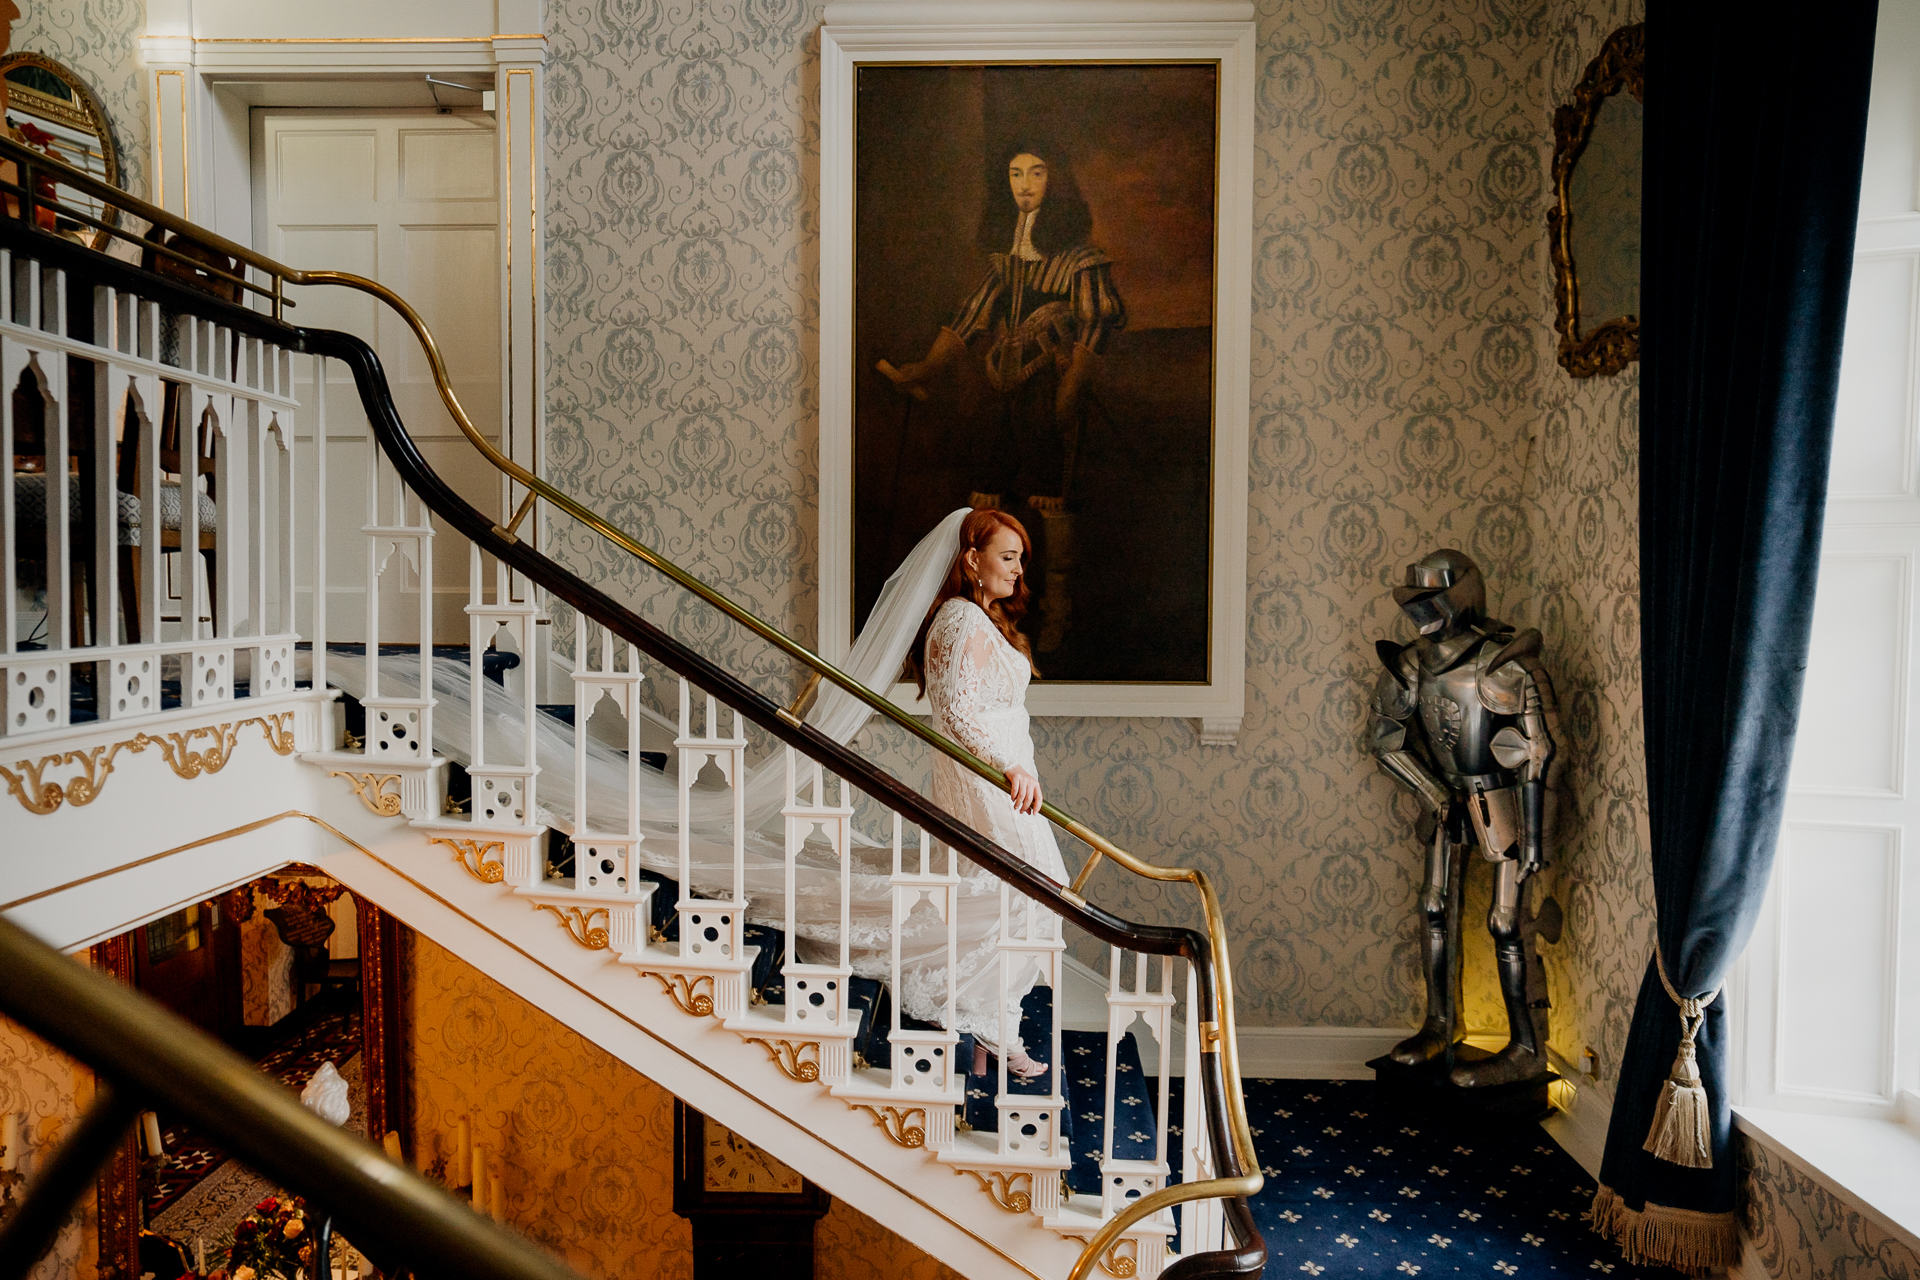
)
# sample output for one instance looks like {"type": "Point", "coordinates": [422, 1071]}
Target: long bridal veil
{"type": "Point", "coordinates": [875, 660]}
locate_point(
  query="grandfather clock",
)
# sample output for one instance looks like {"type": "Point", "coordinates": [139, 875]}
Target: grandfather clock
{"type": "Point", "coordinates": [752, 1216]}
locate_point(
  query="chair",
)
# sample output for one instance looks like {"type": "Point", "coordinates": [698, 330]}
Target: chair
{"type": "Point", "coordinates": [305, 929]}
{"type": "Point", "coordinates": [31, 481]}
{"type": "Point", "coordinates": [126, 481]}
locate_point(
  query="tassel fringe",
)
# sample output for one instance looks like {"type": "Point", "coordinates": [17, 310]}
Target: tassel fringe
{"type": "Point", "coordinates": [1680, 1133]}
{"type": "Point", "coordinates": [1684, 1239]}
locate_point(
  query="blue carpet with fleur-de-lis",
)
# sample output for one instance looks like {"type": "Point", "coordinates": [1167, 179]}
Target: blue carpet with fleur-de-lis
{"type": "Point", "coordinates": [1358, 1187]}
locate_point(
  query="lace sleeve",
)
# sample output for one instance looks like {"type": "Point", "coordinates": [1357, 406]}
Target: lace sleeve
{"type": "Point", "coordinates": [959, 666]}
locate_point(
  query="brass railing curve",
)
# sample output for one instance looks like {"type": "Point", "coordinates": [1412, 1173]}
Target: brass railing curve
{"type": "Point", "coordinates": [1217, 1034]}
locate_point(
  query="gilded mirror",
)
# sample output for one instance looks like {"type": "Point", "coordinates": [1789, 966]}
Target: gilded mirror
{"type": "Point", "coordinates": [52, 110]}
{"type": "Point", "coordinates": [1593, 231]}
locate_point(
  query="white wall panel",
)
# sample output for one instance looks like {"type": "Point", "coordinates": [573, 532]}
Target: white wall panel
{"type": "Point", "coordinates": [438, 165]}
{"type": "Point", "coordinates": [1873, 441]}
{"type": "Point", "coordinates": [1838, 959]}
{"type": "Point", "coordinates": [1853, 717]}
{"type": "Point", "coordinates": [324, 169]}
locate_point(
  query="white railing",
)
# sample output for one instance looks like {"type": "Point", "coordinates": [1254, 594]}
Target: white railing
{"type": "Point", "coordinates": [660, 787]}
{"type": "Point", "coordinates": [146, 529]}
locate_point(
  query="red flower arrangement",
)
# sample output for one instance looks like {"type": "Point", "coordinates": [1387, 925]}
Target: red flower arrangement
{"type": "Point", "coordinates": [274, 1242]}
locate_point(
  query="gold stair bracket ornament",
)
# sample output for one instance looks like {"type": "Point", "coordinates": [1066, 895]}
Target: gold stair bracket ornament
{"type": "Point", "coordinates": [372, 790]}
{"type": "Point", "coordinates": [682, 988]}
{"type": "Point", "coordinates": [893, 1121]}
{"type": "Point", "coordinates": [472, 855]}
{"type": "Point", "coordinates": [43, 797]}
{"type": "Point", "coordinates": [786, 1056]}
{"type": "Point", "coordinates": [999, 1187]}
{"type": "Point", "coordinates": [1116, 1263]}
{"type": "Point", "coordinates": [577, 922]}
{"type": "Point", "coordinates": [1209, 1037]}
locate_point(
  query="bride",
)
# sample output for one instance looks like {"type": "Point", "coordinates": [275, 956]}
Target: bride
{"type": "Point", "coordinates": [947, 618]}
{"type": "Point", "coordinates": [973, 665]}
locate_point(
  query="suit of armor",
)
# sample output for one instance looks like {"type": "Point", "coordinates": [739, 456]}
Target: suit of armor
{"type": "Point", "coordinates": [1463, 718]}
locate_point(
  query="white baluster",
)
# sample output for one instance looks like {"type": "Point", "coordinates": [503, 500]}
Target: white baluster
{"type": "Point", "coordinates": [1202, 1223]}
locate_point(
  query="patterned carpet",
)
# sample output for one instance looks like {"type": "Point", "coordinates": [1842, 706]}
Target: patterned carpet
{"type": "Point", "coordinates": [1355, 1187]}
{"type": "Point", "coordinates": [334, 1035]}
{"type": "Point", "coordinates": [211, 1209]}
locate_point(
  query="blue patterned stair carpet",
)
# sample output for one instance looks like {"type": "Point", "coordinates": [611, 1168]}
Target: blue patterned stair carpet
{"type": "Point", "coordinates": [1356, 1187]}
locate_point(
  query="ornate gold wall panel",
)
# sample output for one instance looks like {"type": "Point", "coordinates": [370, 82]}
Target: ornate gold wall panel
{"type": "Point", "coordinates": [584, 1142]}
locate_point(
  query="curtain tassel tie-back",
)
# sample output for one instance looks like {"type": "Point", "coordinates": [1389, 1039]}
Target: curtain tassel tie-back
{"type": "Point", "coordinates": [1681, 1134]}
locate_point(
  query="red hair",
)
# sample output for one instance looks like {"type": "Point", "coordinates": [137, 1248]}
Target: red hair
{"type": "Point", "coordinates": [976, 531]}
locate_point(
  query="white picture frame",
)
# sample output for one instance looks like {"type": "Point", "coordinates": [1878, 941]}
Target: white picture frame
{"type": "Point", "coordinates": [867, 32]}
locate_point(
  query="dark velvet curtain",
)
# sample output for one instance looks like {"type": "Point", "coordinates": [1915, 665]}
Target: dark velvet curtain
{"type": "Point", "coordinates": [1755, 125]}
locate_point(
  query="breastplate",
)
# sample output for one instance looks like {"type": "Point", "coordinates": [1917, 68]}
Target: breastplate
{"type": "Point", "coordinates": [1458, 727]}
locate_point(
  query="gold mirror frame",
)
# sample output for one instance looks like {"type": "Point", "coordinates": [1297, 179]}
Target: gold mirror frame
{"type": "Point", "coordinates": [82, 114]}
{"type": "Point", "coordinates": [1614, 344]}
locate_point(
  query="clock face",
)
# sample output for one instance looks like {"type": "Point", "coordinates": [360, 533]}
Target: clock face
{"type": "Point", "coordinates": [731, 1163]}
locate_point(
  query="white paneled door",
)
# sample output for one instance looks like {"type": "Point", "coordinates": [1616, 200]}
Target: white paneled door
{"type": "Point", "coordinates": [411, 201]}
{"type": "Point", "coordinates": [1828, 995]}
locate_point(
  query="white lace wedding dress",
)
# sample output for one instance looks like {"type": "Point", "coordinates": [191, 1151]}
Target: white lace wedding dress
{"type": "Point", "coordinates": [977, 683]}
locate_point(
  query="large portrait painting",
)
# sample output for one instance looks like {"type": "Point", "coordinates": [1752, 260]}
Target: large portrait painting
{"type": "Point", "coordinates": [1033, 314]}
{"type": "Point", "coordinates": [1033, 331]}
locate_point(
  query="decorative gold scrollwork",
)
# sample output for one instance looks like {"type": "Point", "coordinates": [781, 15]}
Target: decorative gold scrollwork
{"type": "Point", "coordinates": [180, 754]}
{"type": "Point", "coordinates": [472, 855]}
{"type": "Point", "coordinates": [578, 922]}
{"type": "Point", "coordinates": [372, 790]}
{"type": "Point", "coordinates": [683, 988]}
{"type": "Point", "coordinates": [278, 729]}
{"type": "Point", "coordinates": [786, 1056]}
{"type": "Point", "coordinates": [999, 1185]}
{"type": "Point", "coordinates": [41, 796]}
{"type": "Point", "coordinates": [893, 1121]}
{"type": "Point", "coordinates": [1116, 1263]}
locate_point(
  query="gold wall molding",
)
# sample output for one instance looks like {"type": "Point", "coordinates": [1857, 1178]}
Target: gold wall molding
{"type": "Point", "coordinates": [372, 790]}
{"type": "Point", "coordinates": [472, 856]}
{"type": "Point", "coordinates": [999, 1185]}
{"type": "Point", "coordinates": [786, 1055]}
{"type": "Point", "coordinates": [895, 1122]}
{"type": "Point", "coordinates": [39, 795]}
{"type": "Point", "coordinates": [578, 922]}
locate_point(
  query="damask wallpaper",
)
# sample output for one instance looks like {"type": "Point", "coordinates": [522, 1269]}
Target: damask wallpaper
{"type": "Point", "coordinates": [1583, 593]}
{"type": "Point", "coordinates": [48, 1090]}
{"type": "Point", "coordinates": [584, 1142]}
{"type": "Point", "coordinates": [96, 39]}
{"type": "Point", "coordinates": [1795, 1229]}
{"type": "Point", "coordinates": [1404, 396]}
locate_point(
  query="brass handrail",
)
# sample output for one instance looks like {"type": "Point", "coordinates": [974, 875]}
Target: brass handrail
{"type": "Point", "coordinates": [1217, 1035]}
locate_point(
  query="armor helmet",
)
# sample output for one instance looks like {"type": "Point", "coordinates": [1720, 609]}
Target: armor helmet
{"type": "Point", "coordinates": [1443, 591]}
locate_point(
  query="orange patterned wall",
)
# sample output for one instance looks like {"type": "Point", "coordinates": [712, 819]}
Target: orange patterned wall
{"type": "Point", "coordinates": [48, 1090]}
{"type": "Point", "coordinates": [585, 1142]}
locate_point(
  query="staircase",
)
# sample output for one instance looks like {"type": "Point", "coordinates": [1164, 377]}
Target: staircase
{"type": "Point", "coordinates": [734, 904]}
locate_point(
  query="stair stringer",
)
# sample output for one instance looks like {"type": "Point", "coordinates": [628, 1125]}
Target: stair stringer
{"type": "Point", "coordinates": [693, 1057]}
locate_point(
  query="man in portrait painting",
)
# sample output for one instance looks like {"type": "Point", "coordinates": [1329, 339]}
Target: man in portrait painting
{"type": "Point", "coordinates": [1038, 322]}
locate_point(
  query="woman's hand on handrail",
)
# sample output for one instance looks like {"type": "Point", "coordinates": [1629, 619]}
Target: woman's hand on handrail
{"type": "Point", "coordinates": [1025, 789]}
